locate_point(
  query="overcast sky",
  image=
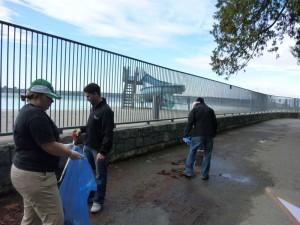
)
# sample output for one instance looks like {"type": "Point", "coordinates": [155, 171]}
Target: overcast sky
{"type": "Point", "coordinates": [173, 34]}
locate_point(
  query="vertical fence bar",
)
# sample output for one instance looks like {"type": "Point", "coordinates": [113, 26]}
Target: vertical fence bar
{"type": "Point", "coordinates": [37, 56]}
{"type": "Point", "coordinates": [20, 67]}
{"type": "Point", "coordinates": [72, 111]}
{"type": "Point", "coordinates": [80, 82]}
{"type": "Point", "coordinates": [51, 70]}
{"type": "Point", "coordinates": [42, 58]}
{"type": "Point", "coordinates": [1, 74]}
{"type": "Point", "coordinates": [14, 77]}
{"type": "Point", "coordinates": [7, 76]}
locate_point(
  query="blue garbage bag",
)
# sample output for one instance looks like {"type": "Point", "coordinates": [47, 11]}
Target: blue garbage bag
{"type": "Point", "coordinates": [187, 140]}
{"type": "Point", "coordinates": [74, 190]}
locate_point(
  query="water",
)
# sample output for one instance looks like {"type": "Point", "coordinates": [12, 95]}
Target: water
{"type": "Point", "coordinates": [242, 179]}
{"type": "Point", "coordinates": [12, 101]}
{"type": "Point", "coordinates": [77, 102]}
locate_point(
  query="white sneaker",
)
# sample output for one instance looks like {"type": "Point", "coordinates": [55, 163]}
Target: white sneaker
{"type": "Point", "coordinates": [96, 207]}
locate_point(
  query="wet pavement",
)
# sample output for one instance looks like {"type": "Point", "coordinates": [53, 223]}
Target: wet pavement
{"type": "Point", "coordinates": [150, 190]}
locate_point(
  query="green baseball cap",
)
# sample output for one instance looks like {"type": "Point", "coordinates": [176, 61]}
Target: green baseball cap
{"type": "Point", "coordinates": [43, 86]}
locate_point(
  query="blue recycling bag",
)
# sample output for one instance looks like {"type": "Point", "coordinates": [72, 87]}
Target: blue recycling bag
{"type": "Point", "coordinates": [74, 190]}
{"type": "Point", "coordinates": [187, 140]}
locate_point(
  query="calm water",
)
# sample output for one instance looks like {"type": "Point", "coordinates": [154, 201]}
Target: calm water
{"type": "Point", "coordinates": [79, 102]}
{"type": "Point", "coordinates": [10, 101]}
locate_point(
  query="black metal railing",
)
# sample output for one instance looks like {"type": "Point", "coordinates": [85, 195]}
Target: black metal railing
{"type": "Point", "coordinates": [136, 90]}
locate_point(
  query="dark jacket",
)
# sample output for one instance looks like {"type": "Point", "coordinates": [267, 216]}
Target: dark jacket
{"type": "Point", "coordinates": [202, 121]}
{"type": "Point", "coordinates": [99, 128]}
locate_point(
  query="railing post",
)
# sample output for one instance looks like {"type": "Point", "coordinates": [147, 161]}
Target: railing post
{"type": "Point", "coordinates": [155, 107]}
{"type": "Point", "coordinates": [189, 103]}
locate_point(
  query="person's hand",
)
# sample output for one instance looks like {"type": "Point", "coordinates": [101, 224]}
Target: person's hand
{"type": "Point", "coordinates": [75, 155]}
{"type": "Point", "coordinates": [69, 146]}
{"type": "Point", "coordinates": [78, 133]}
{"type": "Point", "coordinates": [100, 156]}
{"type": "Point", "coordinates": [74, 135]}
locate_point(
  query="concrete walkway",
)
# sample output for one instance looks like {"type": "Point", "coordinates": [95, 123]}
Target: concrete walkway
{"type": "Point", "coordinates": [250, 165]}
{"type": "Point", "coordinates": [150, 191]}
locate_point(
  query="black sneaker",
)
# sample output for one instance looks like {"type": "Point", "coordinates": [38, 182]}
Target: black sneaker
{"type": "Point", "coordinates": [205, 178]}
{"type": "Point", "coordinates": [188, 176]}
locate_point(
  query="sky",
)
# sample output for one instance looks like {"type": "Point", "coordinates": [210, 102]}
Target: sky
{"type": "Point", "coordinates": [170, 33]}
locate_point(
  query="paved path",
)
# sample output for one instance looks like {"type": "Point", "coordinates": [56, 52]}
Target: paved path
{"type": "Point", "coordinates": [150, 191]}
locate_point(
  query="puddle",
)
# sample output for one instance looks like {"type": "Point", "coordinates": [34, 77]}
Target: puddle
{"type": "Point", "coordinates": [242, 180]}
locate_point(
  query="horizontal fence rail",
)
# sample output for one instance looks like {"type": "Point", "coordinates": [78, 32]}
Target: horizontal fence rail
{"type": "Point", "coordinates": [136, 90]}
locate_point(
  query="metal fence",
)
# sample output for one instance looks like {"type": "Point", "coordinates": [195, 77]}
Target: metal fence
{"type": "Point", "coordinates": [136, 90]}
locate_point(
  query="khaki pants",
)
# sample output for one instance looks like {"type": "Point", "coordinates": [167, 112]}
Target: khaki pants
{"type": "Point", "coordinates": [41, 198]}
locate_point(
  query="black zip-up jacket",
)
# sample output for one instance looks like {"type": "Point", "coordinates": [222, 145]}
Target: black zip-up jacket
{"type": "Point", "coordinates": [99, 128]}
{"type": "Point", "coordinates": [202, 121]}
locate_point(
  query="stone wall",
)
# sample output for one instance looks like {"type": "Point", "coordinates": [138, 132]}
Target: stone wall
{"type": "Point", "coordinates": [137, 140]}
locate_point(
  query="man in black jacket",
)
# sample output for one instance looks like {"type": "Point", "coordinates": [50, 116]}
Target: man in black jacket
{"type": "Point", "coordinates": [202, 127]}
{"type": "Point", "coordinates": [98, 140]}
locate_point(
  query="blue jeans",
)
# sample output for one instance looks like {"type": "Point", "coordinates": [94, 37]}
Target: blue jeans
{"type": "Point", "coordinates": [100, 173]}
{"type": "Point", "coordinates": [207, 144]}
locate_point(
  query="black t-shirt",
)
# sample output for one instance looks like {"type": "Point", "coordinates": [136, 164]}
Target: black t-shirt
{"type": "Point", "coordinates": [34, 127]}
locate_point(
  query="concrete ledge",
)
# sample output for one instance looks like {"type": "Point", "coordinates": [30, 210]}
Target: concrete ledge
{"type": "Point", "coordinates": [134, 141]}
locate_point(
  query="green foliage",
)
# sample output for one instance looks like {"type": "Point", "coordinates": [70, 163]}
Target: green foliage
{"type": "Point", "coordinates": [246, 28]}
